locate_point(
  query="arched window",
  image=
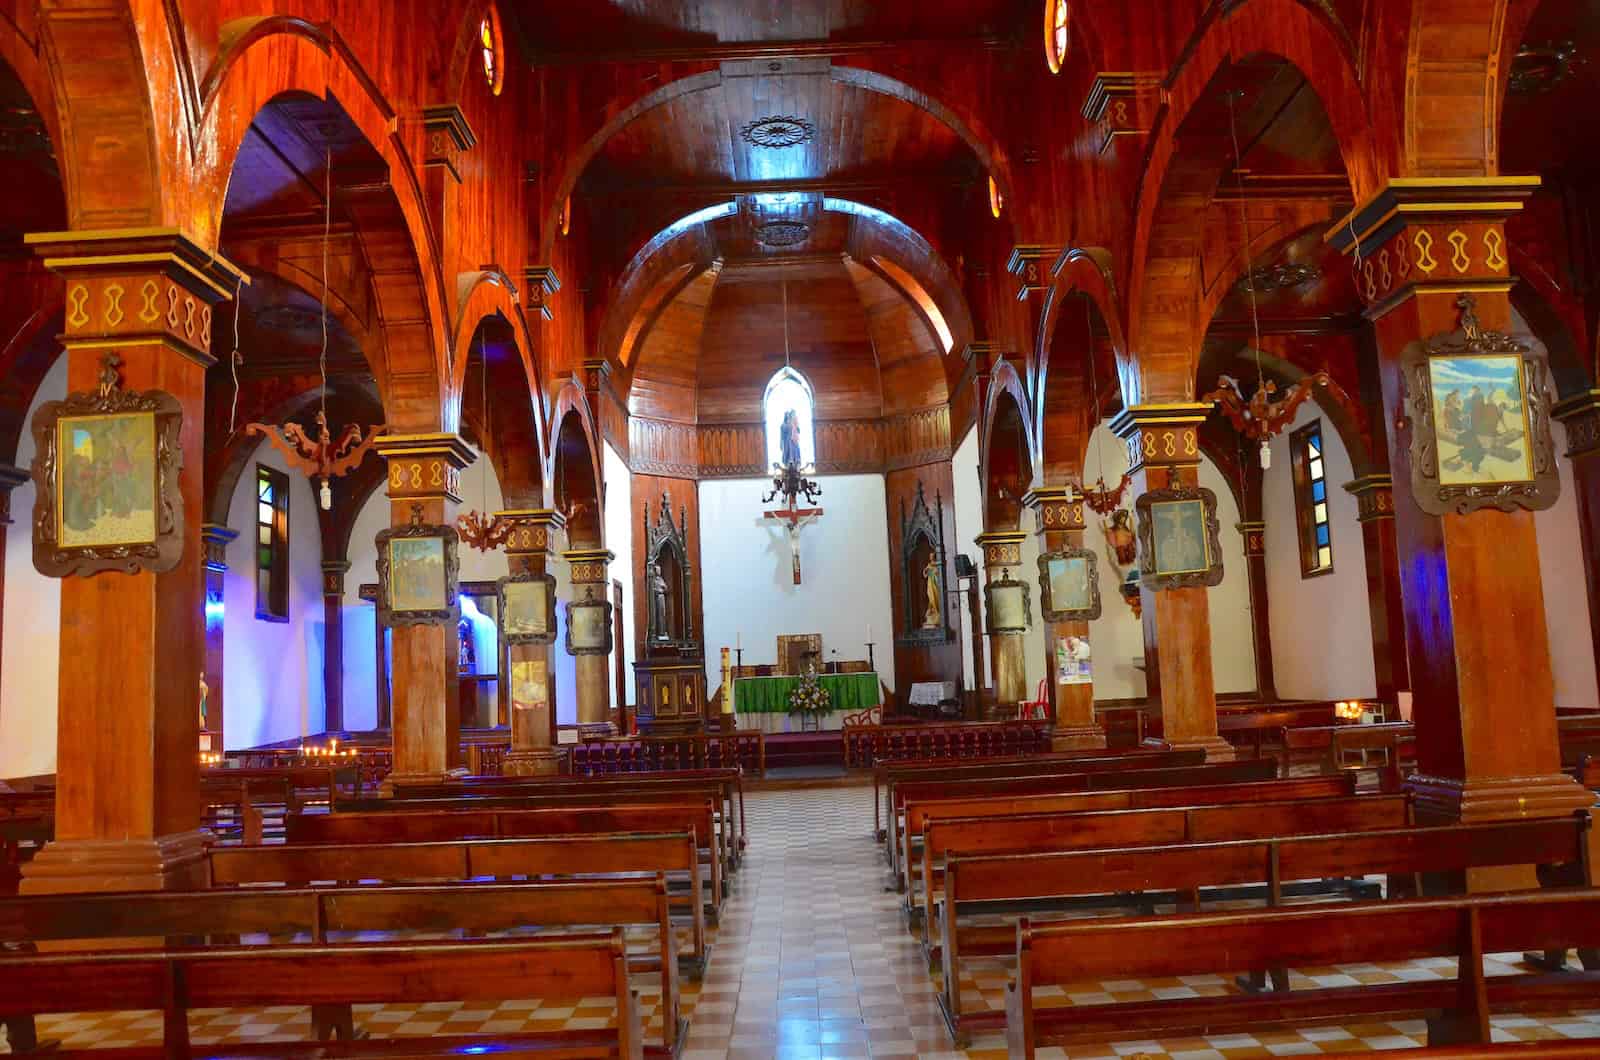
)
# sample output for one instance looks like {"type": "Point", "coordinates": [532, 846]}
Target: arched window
{"type": "Point", "coordinates": [789, 395]}
{"type": "Point", "coordinates": [489, 48]}
{"type": "Point", "coordinates": [997, 201]}
{"type": "Point", "coordinates": [1056, 39]}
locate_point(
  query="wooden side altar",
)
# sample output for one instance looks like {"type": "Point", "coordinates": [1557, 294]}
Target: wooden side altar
{"type": "Point", "coordinates": [670, 672]}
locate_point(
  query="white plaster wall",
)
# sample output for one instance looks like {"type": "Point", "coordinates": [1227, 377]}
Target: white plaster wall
{"type": "Point", "coordinates": [620, 516]}
{"type": "Point", "coordinates": [968, 503]}
{"type": "Point", "coordinates": [1566, 601]}
{"type": "Point", "coordinates": [272, 671]}
{"type": "Point", "coordinates": [480, 490]}
{"type": "Point", "coordinates": [844, 560]}
{"type": "Point", "coordinates": [1233, 657]}
{"type": "Point", "coordinates": [32, 628]}
{"type": "Point", "coordinates": [1321, 626]}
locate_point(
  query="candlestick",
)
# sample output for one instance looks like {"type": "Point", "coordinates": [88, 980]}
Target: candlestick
{"type": "Point", "coordinates": [871, 662]}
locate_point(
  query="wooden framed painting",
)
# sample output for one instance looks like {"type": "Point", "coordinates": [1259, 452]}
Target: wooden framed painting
{"type": "Point", "coordinates": [1180, 542]}
{"type": "Point", "coordinates": [527, 608]}
{"type": "Point", "coordinates": [106, 468]}
{"type": "Point", "coordinates": [1069, 585]}
{"type": "Point", "coordinates": [418, 574]}
{"type": "Point", "coordinates": [530, 684]}
{"type": "Point", "coordinates": [589, 625]}
{"type": "Point", "coordinates": [1008, 605]}
{"type": "Point", "coordinates": [1478, 409]}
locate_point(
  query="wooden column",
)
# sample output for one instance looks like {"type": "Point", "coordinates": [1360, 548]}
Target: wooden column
{"type": "Point", "coordinates": [1164, 453]}
{"type": "Point", "coordinates": [534, 751]}
{"type": "Point", "coordinates": [1255, 562]}
{"type": "Point", "coordinates": [1375, 512]}
{"type": "Point", "coordinates": [1059, 522]}
{"type": "Point", "coordinates": [1580, 414]}
{"type": "Point", "coordinates": [10, 479]}
{"type": "Point", "coordinates": [216, 540]}
{"type": "Point", "coordinates": [589, 568]}
{"type": "Point", "coordinates": [333, 572]}
{"type": "Point", "coordinates": [424, 481]}
{"type": "Point", "coordinates": [1002, 557]}
{"type": "Point", "coordinates": [127, 764]}
{"type": "Point", "coordinates": [1476, 636]}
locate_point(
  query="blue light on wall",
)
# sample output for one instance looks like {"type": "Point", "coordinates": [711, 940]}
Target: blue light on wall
{"type": "Point", "coordinates": [213, 611]}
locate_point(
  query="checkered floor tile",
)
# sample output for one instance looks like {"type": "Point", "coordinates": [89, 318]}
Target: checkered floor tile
{"type": "Point", "coordinates": [812, 959]}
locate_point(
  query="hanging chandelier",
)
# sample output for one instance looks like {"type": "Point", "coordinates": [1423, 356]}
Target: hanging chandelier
{"type": "Point", "coordinates": [318, 457]}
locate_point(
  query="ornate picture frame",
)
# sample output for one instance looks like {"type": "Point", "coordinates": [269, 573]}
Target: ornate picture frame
{"type": "Point", "coordinates": [588, 624]}
{"type": "Point", "coordinates": [419, 574]}
{"type": "Point", "coordinates": [1080, 567]}
{"type": "Point", "coordinates": [106, 466]}
{"type": "Point", "coordinates": [527, 605]}
{"type": "Point", "coordinates": [1477, 406]}
{"type": "Point", "coordinates": [1007, 605]}
{"type": "Point", "coordinates": [1180, 538]}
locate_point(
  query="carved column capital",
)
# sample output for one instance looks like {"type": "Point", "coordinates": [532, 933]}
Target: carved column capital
{"type": "Point", "coordinates": [139, 287]}
{"type": "Point", "coordinates": [589, 566]}
{"type": "Point", "coordinates": [1122, 104]}
{"type": "Point", "coordinates": [1161, 435]}
{"type": "Point", "coordinates": [10, 479]}
{"type": "Point", "coordinates": [542, 284]}
{"type": "Point", "coordinates": [1255, 538]}
{"type": "Point", "coordinates": [449, 137]}
{"type": "Point", "coordinates": [1030, 264]}
{"type": "Point", "coordinates": [1002, 549]}
{"type": "Point", "coordinates": [1441, 234]}
{"type": "Point", "coordinates": [424, 466]}
{"type": "Point", "coordinates": [1580, 414]}
{"type": "Point", "coordinates": [1374, 496]}
{"type": "Point", "coordinates": [333, 572]}
{"type": "Point", "coordinates": [216, 539]}
{"type": "Point", "coordinates": [1056, 509]}
{"type": "Point", "coordinates": [535, 532]}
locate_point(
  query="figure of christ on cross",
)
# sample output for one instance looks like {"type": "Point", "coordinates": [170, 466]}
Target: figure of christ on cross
{"type": "Point", "coordinates": [793, 519]}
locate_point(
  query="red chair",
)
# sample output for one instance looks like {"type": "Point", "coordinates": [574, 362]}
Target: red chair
{"type": "Point", "coordinates": [1039, 708]}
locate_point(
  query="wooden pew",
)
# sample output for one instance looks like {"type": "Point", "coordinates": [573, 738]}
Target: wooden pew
{"type": "Point", "coordinates": [1028, 880]}
{"type": "Point", "coordinates": [886, 774]}
{"type": "Point", "coordinates": [1149, 947]}
{"type": "Point", "coordinates": [1558, 1049]}
{"type": "Point", "coordinates": [401, 826]}
{"type": "Point", "coordinates": [177, 981]}
{"type": "Point", "coordinates": [729, 784]}
{"type": "Point", "coordinates": [1331, 747]}
{"type": "Point", "coordinates": [1241, 818]}
{"type": "Point", "coordinates": [318, 913]}
{"type": "Point", "coordinates": [908, 793]}
{"type": "Point", "coordinates": [581, 855]}
{"type": "Point", "coordinates": [1249, 729]}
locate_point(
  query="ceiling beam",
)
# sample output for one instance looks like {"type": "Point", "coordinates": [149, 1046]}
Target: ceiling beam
{"type": "Point", "coordinates": [804, 185]}
{"type": "Point", "coordinates": [731, 51]}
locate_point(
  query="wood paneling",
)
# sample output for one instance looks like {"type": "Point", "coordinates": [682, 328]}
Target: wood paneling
{"type": "Point", "coordinates": [683, 495]}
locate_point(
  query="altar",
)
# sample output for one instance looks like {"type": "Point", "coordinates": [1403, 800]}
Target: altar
{"type": "Point", "coordinates": [764, 701]}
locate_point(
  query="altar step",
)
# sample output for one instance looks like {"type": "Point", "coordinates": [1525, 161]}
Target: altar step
{"type": "Point", "coordinates": [805, 749]}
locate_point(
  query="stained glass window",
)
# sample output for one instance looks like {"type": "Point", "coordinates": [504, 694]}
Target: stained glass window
{"type": "Point", "coordinates": [1311, 499]}
{"type": "Point", "coordinates": [272, 544]}
{"type": "Point", "coordinates": [489, 48]}
{"type": "Point", "coordinates": [1056, 39]}
{"type": "Point", "coordinates": [789, 410]}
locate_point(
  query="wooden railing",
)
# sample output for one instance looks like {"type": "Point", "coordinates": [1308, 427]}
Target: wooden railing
{"type": "Point", "coordinates": [745, 749]}
{"type": "Point", "coordinates": [369, 764]}
{"type": "Point", "coordinates": [867, 745]}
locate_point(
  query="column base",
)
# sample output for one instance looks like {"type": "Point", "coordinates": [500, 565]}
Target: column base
{"type": "Point", "coordinates": [532, 762]}
{"type": "Point", "coordinates": [1077, 738]}
{"type": "Point", "coordinates": [1450, 800]}
{"type": "Point", "coordinates": [1216, 748]}
{"type": "Point", "coordinates": [588, 730]}
{"type": "Point", "coordinates": [74, 866]}
{"type": "Point", "coordinates": [396, 782]}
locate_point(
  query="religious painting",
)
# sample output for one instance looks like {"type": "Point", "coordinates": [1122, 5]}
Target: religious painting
{"type": "Point", "coordinates": [795, 648]}
{"type": "Point", "coordinates": [527, 608]}
{"type": "Point", "coordinates": [418, 573]}
{"type": "Point", "coordinates": [107, 468]}
{"type": "Point", "coordinates": [1008, 605]}
{"type": "Point", "coordinates": [530, 684]}
{"type": "Point", "coordinates": [1479, 416]}
{"type": "Point", "coordinates": [1069, 586]}
{"type": "Point", "coordinates": [589, 624]}
{"type": "Point", "coordinates": [1179, 538]}
{"type": "Point", "coordinates": [1074, 661]}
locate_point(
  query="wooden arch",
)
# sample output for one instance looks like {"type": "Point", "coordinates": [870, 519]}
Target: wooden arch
{"type": "Point", "coordinates": [484, 294]}
{"type": "Point", "coordinates": [575, 476]}
{"type": "Point", "coordinates": [1164, 325]}
{"type": "Point", "coordinates": [262, 59]}
{"type": "Point", "coordinates": [1006, 449]}
{"type": "Point", "coordinates": [1087, 272]}
{"type": "Point", "coordinates": [510, 430]}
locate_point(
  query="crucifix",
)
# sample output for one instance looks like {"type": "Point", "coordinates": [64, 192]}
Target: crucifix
{"type": "Point", "coordinates": [790, 484]}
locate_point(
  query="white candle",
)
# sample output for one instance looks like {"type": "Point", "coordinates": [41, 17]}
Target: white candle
{"type": "Point", "coordinates": [869, 632]}
{"type": "Point", "coordinates": [738, 641]}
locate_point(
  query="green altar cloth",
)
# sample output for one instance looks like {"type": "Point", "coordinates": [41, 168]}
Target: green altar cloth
{"type": "Point", "coordinates": [770, 695]}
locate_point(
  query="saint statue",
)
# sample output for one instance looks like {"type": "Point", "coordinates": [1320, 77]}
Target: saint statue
{"type": "Point", "coordinates": [935, 616]}
{"type": "Point", "coordinates": [789, 439]}
{"type": "Point", "coordinates": [659, 628]}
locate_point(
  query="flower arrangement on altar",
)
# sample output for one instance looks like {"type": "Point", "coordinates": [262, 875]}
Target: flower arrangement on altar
{"type": "Point", "coordinates": [808, 696]}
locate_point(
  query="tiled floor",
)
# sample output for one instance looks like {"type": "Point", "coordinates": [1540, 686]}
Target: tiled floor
{"type": "Point", "coordinates": [812, 959]}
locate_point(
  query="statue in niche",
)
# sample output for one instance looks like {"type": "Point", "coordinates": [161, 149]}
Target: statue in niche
{"type": "Point", "coordinates": [660, 622]}
{"type": "Point", "coordinates": [935, 615]}
{"type": "Point", "coordinates": [789, 439]}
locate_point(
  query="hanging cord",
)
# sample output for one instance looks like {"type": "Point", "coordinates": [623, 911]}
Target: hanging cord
{"type": "Point", "coordinates": [483, 355]}
{"type": "Point", "coordinates": [1094, 387]}
{"type": "Point", "coordinates": [327, 234]}
{"type": "Point", "coordinates": [1249, 266]}
{"type": "Point", "coordinates": [235, 359]}
{"type": "Point", "coordinates": [786, 322]}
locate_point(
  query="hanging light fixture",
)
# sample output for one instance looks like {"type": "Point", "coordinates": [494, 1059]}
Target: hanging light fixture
{"type": "Point", "coordinates": [1260, 416]}
{"type": "Point", "coordinates": [1102, 499]}
{"type": "Point", "coordinates": [321, 457]}
{"type": "Point", "coordinates": [479, 528]}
